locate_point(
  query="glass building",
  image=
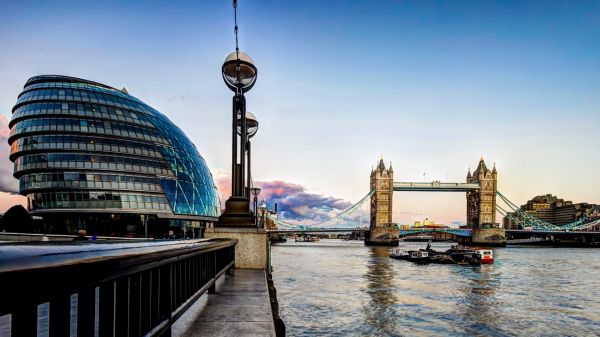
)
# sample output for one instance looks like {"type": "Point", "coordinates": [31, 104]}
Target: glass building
{"type": "Point", "coordinates": [89, 156]}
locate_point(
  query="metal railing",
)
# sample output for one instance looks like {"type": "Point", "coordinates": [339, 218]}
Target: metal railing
{"type": "Point", "coordinates": [123, 289]}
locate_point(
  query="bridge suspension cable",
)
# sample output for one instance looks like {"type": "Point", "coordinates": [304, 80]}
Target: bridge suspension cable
{"type": "Point", "coordinates": [528, 220]}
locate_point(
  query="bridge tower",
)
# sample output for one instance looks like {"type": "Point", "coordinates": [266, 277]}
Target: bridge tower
{"type": "Point", "coordinates": [481, 204]}
{"type": "Point", "coordinates": [382, 231]}
{"type": "Point", "coordinates": [481, 207]}
{"type": "Point", "coordinates": [382, 181]}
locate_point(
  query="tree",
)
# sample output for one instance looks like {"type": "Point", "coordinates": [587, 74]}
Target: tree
{"type": "Point", "coordinates": [17, 219]}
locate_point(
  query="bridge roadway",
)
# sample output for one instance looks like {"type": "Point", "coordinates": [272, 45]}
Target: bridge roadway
{"type": "Point", "coordinates": [435, 186]}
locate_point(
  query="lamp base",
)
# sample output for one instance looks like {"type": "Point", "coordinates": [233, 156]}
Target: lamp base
{"type": "Point", "coordinates": [237, 214]}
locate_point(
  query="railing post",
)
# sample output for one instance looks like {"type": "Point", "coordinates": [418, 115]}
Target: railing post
{"type": "Point", "coordinates": [166, 296]}
{"type": "Point", "coordinates": [86, 312]}
{"type": "Point", "coordinates": [155, 318]}
{"type": "Point", "coordinates": [213, 270]}
{"type": "Point", "coordinates": [106, 319]}
{"type": "Point", "coordinates": [145, 302]}
{"type": "Point", "coordinates": [134, 305]}
{"type": "Point", "coordinates": [24, 321]}
{"type": "Point", "coordinates": [60, 316]}
{"type": "Point", "coordinates": [122, 307]}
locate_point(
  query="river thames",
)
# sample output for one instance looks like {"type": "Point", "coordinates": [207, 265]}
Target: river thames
{"type": "Point", "coordinates": [343, 288]}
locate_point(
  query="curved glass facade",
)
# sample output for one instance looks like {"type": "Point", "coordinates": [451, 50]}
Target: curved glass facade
{"type": "Point", "coordinates": [86, 154]}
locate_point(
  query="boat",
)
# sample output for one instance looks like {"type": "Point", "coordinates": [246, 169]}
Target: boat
{"type": "Point", "coordinates": [399, 254]}
{"type": "Point", "coordinates": [457, 254]}
{"type": "Point", "coordinates": [466, 257]}
{"type": "Point", "coordinates": [419, 256]}
{"type": "Point", "coordinates": [307, 239]}
{"type": "Point", "coordinates": [487, 256]}
{"type": "Point", "coordinates": [441, 259]}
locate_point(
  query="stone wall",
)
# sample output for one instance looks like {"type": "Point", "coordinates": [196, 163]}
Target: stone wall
{"type": "Point", "coordinates": [383, 236]}
{"type": "Point", "coordinates": [489, 237]}
{"type": "Point", "coordinates": [252, 249]}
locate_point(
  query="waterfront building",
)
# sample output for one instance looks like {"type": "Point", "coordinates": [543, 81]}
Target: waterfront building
{"type": "Point", "coordinates": [555, 210]}
{"type": "Point", "coordinates": [90, 156]}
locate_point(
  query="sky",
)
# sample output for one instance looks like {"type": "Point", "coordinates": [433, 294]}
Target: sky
{"type": "Point", "coordinates": [429, 85]}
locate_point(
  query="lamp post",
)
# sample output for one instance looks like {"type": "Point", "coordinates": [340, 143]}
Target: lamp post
{"type": "Point", "coordinates": [255, 192]}
{"type": "Point", "coordinates": [239, 74]}
{"type": "Point", "coordinates": [252, 128]}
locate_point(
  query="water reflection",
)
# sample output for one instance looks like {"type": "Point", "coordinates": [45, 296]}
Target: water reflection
{"type": "Point", "coordinates": [342, 288]}
{"type": "Point", "coordinates": [380, 314]}
{"type": "Point", "coordinates": [479, 304]}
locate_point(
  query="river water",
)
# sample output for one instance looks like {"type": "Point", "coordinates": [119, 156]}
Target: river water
{"type": "Point", "coordinates": [342, 288]}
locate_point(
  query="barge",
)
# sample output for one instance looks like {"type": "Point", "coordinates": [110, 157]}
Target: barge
{"type": "Point", "coordinates": [455, 255]}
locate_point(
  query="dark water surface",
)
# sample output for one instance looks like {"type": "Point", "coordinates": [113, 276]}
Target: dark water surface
{"type": "Point", "coordinates": [342, 288]}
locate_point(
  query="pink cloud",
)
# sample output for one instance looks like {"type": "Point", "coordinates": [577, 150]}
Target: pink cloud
{"type": "Point", "coordinates": [295, 203]}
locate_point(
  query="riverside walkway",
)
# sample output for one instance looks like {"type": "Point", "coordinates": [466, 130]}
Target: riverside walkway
{"type": "Point", "coordinates": [131, 289]}
{"type": "Point", "coordinates": [240, 307]}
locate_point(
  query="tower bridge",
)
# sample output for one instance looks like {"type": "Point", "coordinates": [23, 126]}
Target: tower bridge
{"type": "Point", "coordinates": [480, 188]}
{"type": "Point", "coordinates": [481, 195]}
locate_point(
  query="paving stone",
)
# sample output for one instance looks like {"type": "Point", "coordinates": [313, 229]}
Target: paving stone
{"type": "Point", "coordinates": [240, 308]}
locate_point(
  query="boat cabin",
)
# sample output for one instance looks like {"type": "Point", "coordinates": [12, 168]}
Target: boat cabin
{"type": "Point", "coordinates": [486, 256]}
{"type": "Point", "coordinates": [419, 254]}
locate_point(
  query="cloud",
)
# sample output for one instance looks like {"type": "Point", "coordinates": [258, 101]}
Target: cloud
{"type": "Point", "coordinates": [7, 182]}
{"type": "Point", "coordinates": [295, 204]}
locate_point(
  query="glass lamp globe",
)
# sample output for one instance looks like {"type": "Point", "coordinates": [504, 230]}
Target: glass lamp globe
{"type": "Point", "coordinates": [251, 123]}
{"type": "Point", "coordinates": [239, 73]}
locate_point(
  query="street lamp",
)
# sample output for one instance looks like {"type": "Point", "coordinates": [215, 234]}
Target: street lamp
{"type": "Point", "coordinates": [255, 192]}
{"type": "Point", "coordinates": [239, 74]}
{"type": "Point", "coordinates": [251, 123]}
{"type": "Point", "coordinates": [252, 128]}
{"type": "Point", "coordinates": [239, 71]}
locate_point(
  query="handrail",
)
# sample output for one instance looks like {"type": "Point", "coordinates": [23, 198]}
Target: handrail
{"type": "Point", "coordinates": [140, 288]}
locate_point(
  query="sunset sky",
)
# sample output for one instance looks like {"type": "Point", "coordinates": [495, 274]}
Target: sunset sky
{"type": "Point", "coordinates": [430, 85]}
